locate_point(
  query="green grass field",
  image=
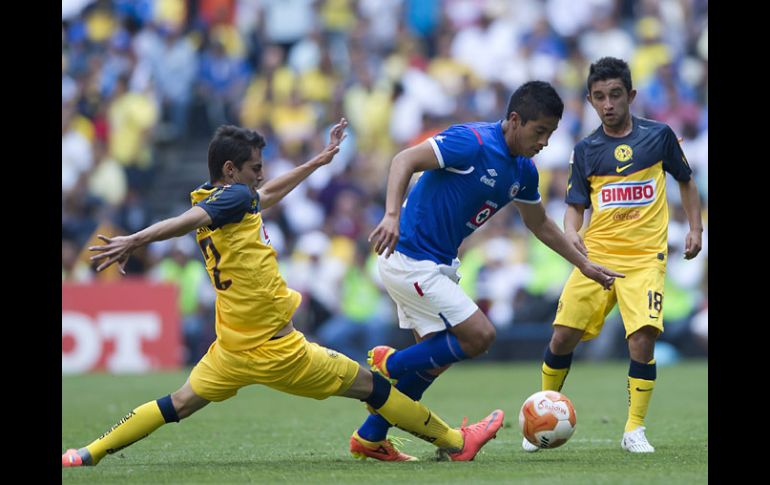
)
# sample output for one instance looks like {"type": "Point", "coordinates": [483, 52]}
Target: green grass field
{"type": "Point", "coordinates": [263, 436]}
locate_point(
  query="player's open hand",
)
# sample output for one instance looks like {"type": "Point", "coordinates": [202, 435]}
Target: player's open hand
{"type": "Point", "coordinates": [693, 243]}
{"type": "Point", "coordinates": [385, 235]}
{"type": "Point", "coordinates": [335, 138]}
{"type": "Point", "coordinates": [117, 250]}
{"type": "Point", "coordinates": [600, 274]}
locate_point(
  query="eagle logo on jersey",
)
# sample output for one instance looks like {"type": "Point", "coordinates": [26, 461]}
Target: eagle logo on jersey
{"type": "Point", "coordinates": [623, 153]}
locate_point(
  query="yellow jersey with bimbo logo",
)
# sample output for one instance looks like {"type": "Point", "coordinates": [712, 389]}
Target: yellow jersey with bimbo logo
{"type": "Point", "coordinates": [624, 181]}
{"type": "Point", "coordinates": [253, 301]}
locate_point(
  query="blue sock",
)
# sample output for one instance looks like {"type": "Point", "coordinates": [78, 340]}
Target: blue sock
{"type": "Point", "coordinates": [375, 428]}
{"type": "Point", "coordinates": [437, 351]}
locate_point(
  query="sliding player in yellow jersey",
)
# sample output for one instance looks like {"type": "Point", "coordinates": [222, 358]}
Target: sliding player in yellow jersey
{"type": "Point", "coordinates": [619, 171]}
{"type": "Point", "coordinates": [256, 341]}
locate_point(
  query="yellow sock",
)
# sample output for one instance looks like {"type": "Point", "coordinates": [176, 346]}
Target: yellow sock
{"type": "Point", "coordinates": [553, 379]}
{"type": "Point", "coordinates": [131, 428]}
{"type": "Point", "coordinates": [415, 418]}
{"type": "Point", "coordinates": [639, 395]}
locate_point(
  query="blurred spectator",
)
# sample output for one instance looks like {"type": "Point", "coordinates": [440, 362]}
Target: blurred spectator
{"type": "Point", "coordinates": [606, 38]}
{"type": "Point", "coordinates": [363, 318]}
{"type": "Point", "coordinates": [288, 21]}
{"type": "Point", "coordinates": [174, 67]}
{"type": "Point", "coordinates": [651, 53]}
{"type": "Point", "coordinates": [76, 151]}
{"type": "Point", "coordinates": [317, 277]}
{"type": "Point", "coordinates": [180, 266]}
{"type": "Point", "coordinates": [73, 269]}
{"type": "Point", "coordinates": [132, 116]}
{"type": "Point", "coordinates": [108, 179]}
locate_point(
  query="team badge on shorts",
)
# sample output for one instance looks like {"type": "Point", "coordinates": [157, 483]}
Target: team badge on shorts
{"type": "Point", "coordinates": [514, 190]}
{"type": "Point", "coordinates": [332, 353]}
{"type": "Point", "coordinates": [623, 153]}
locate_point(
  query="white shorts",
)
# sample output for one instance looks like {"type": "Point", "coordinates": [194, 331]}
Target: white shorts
{"type": "Point", "coordinates": [427, 294]}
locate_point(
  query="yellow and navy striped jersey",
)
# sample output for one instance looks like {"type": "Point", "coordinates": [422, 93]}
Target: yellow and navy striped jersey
{"type": "Point", "coordinates": [253, 301]}
{"type": "Point", "coordinates": [623, 180]}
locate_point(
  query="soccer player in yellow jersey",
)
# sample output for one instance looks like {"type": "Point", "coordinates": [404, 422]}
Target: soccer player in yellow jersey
{"type": "Point", "coordinates": [618, 170]}
{"type": "Point", "coordinates": [256, 341]}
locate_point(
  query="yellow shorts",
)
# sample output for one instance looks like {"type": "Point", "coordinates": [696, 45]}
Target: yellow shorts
{"type": "Point", "coordinates": [584, 304]}
{"type": "Point", "coordinates": [290, 364]}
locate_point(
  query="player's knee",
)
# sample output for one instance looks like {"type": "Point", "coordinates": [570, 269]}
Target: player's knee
{"type": "Point", "coordinates": [186, 402]}
{"type": "Point", "coordinates": [481, 341]}
{"type": "Point", "coordinates": [641, 344]}
{"type": "Point", "coordinates": [564, 341]}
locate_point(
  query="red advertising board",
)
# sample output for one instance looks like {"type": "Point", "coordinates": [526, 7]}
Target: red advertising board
{"type": "Point", "coordinates": [124, 326]}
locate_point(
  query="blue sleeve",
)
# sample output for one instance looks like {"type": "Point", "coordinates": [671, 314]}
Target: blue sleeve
{"type": "Point", "coordinates": [228, 204]}
{"type": "Point", "coordinates": [530, 180]}
{"type": "Point", "coordinates": [457, 146]}
{"type": "Point", "coordinates": [578, 188]}
{"type": "Point", "coordinates": [674, 161]}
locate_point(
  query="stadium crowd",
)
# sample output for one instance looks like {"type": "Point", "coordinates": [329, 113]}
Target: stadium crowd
{"type": "Point", "coordinates": [138, 73]}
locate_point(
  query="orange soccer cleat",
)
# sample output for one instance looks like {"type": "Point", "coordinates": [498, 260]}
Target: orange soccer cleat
{"type": "Point", "coordinates": [381, 450]}
{"type": "Point", "coordinates": [71, 458]}
{"type": "Point", "coordinates": [378, 356]}
{"type": "Point", "coordinates": [477, 435]}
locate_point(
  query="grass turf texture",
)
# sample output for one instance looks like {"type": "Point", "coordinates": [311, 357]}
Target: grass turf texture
{"type": "Point", "coordinates": [263, 436]}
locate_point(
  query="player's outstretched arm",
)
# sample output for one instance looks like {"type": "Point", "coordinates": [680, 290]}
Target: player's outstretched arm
{"type": "Point", "coordinates": [273, 191]}
{"type": "Point", "coordinates": [691, 203]}
{"type": "Point", "coordinates": [405, 164]}
{"type": "Point", "coordinates": [546, 230]}
{"type": "Point", "coordinates": [119, 248]}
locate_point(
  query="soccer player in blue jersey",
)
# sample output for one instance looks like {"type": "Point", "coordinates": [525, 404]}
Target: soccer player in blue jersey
{"type": "Point", "coordinates": [470, 171]}
{"type": "Point", "coordinates": [619, 171]}
{"type": "Point", "coordinates": [256, 341]}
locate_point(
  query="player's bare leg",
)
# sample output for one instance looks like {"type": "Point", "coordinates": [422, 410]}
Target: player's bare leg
{"type": "Point", "coordinates": [641, 382]}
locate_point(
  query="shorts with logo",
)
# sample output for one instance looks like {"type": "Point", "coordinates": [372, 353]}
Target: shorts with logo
{"type": "Point", "coordinates": [290, 364]}
{"type": "Point", "coordinates": [584, 304]}
{"type": "Point", "coordinates": [427, 295]}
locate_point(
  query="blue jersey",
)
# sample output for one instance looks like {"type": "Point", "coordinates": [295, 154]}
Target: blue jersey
{"type": "Point", "coordinates": [478, 176]}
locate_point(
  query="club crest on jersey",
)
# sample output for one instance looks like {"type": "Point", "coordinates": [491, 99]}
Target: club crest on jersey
{"type": "Point", "coordinates": [627, 194]}
{"type": "Point", "coordinates": [513, 190]}
{"type": "Point", "coordinates": [623, 153]}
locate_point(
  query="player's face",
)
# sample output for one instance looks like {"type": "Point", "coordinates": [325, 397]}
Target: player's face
{"type": "Point", "coordinates": [530, 138]}
{"type": "Point", "coordinates": [250, 173]}
{"type": "Point", "coordinates": [611, 101]}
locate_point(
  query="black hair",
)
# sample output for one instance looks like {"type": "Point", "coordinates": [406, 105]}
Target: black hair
{"type": "Point", "coordinates": [232, 143]}
{"type": "Point", "coordinates": [534, 99]}
{"type": "Point", "coordinates": [609, 68]}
